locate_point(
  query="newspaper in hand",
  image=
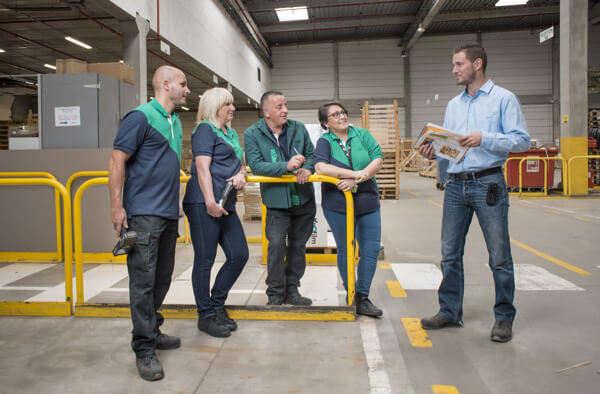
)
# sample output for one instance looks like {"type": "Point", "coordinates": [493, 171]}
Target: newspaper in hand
{"type": "Point", "coordinates": [444, 142]}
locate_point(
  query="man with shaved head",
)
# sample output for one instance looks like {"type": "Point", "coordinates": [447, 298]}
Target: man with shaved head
{"type": "Point", "coordinates": [147, 155]}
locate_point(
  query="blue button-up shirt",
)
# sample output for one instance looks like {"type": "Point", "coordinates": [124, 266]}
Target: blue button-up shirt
{"type": "Point", "coordinates": [494, 111]}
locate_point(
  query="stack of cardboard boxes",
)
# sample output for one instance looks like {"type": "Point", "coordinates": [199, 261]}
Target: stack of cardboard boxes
{"type": "Point", "coordinates": [116, 70]}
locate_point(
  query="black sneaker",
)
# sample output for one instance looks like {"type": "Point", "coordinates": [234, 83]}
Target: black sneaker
{"type": "Point", "coordinates": [166, 342]}
{"type": "Point", "coordinates": [149, 368]}
{"type": "Point", "coordinates": [213, 326]}
{"type": "Point", "coordinates": [502, 331]}
{"type": "Point", "coordinates": [275, 299]}
{"type": "Point", "coordinates": [364, 306]}
{"type": "Point", "coordinates": [225, 320]}
{"type": "Point", "coordinates": [297, 299]}
{"type": "Point", "coordinates": [438, 321]}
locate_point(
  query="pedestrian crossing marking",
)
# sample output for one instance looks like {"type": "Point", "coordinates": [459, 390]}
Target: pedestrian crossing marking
{"type": "Point", "coordinates": [395, 289]}
{"type": "Point", "coordinates": [550, 258]}
{"type": "Point", "coordinates": [416, 334]}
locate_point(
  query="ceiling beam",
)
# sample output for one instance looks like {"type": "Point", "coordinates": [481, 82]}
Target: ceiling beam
{"type": "Point", "coordinates": [493, 13]}
{"type": "Point", "coordinates": [424, 18]}
{"type": "Point", "coordinates": [342, 23]}
{"type": "Point", "coordinates": [269, 5]}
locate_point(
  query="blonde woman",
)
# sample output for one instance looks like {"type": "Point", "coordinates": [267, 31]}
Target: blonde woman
{"type": "Point", "coordinates": [218, 160]}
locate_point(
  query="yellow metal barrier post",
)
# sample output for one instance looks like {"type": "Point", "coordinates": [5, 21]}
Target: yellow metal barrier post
{"type": "Point", "coordinates": [259, 312]}
{"type": "Point", "coordinates": [35, 257]}
{"type": "Point", "coordinates": [543, 193]}
{"type": "Point", "coordinates": [570, 165]}
{"type": "Point", "coordinates": [48, 308]}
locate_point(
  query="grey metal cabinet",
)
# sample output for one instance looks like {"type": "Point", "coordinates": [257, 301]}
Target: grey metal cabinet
{"type": "Point", "coordinates": [82, 110]}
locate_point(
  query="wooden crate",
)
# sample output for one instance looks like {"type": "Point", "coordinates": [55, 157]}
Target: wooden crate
{"type": "Point", "coordinates": [428, 168]}
{"type": "Point", "coordinates": [5, 125]}
{"type": "Point", "coordinates": [382, 123]}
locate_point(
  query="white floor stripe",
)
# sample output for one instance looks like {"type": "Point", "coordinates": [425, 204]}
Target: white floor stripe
{"type": "Point", "coordinates": [560, 209]}
{"type": "Point", "coordinates": [13, 272]}
{"type": "Point", "coordinates": [418, 276]}
{"type": "Point", "coordinates": [528, 277]}
{"type": "Point", "coordinates": [531, 277]}
{"type": "Point", "coordinates": [181, 291]}
{"type": "Point", "coordinates": [320, 284]}
{"type": "Point", "coordinates": [102, 277]}
{"type": "Point", "coordinates": [378, 377]}
{"type": "Point", "coordinates": [56, 293]}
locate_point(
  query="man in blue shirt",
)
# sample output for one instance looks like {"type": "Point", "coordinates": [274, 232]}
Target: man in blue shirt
{"type": "Point", "coordinates": [146, 154]}
{"type": "Point", "coordinates": [492, 123]}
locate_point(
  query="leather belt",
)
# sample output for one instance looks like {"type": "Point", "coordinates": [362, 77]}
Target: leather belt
{"type": "Point", "coordinates": [463, 176]}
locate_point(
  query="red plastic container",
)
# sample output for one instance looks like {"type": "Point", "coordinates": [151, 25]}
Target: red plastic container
{"type": "Point", "coordinates": [533, 170]}
{"type": "Point", "coordinates": [590, 178]}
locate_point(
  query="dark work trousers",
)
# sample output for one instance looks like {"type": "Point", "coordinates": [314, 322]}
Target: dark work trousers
{"type": "Point", "coordinates": [207, 233]}
{"type": "Point", "coordinates": [150, 265]}
{"type": "Point", "coordinates": [286, 262]}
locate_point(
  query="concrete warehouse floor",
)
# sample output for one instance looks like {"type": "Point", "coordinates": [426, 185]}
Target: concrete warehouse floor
{"type": "Point", "coordinates": [556, 326]}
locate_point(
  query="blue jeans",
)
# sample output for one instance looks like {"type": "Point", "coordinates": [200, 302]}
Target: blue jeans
{"type": "Point", "coordinates": [367, 230]}
{"type": "Point", "coordinates": [461, 199]}
{"type": "Point", "coordinates": [207, 232]}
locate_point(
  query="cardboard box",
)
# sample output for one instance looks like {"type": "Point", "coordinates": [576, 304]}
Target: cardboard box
{"type": "Point", "coordinates": [117, 70]}
{"type": "Point", "coordinates": [71, 66]}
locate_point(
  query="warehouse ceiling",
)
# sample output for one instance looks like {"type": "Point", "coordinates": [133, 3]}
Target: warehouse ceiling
{"type": "Point", "coordinates": [32, 32]}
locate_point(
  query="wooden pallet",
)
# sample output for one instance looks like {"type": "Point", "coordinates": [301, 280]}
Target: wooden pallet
{"type": "Point", "coordinates": [428, 168]}
{"type": "Point", "coordinates": [410, 162]}
{"type": "Point", "coordinates": [251, 218]}
{"type": "Point", "coordinates": [5, 125]}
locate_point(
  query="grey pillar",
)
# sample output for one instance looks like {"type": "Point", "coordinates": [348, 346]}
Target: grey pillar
{"type": "Point", "coordinates": [336, 71]}
{"type": "Point", "coordinates": [134, 53]}
{"type": "Point", "coordinates": [573, 88]}
{"type": "Point", "coordinates": [407, 99]}
{"type": "Point", "coordinates": [556, 85]}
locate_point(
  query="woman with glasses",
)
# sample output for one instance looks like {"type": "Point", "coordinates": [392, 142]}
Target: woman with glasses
{"type": "Point", "coordinates": [217, 167]}
{"type": "Point", "coordinates": [351, 154]}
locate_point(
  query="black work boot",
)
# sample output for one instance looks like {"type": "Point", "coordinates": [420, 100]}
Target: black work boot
{"type": "Point", "coordinates": [166, 342]}
{"type": "Point", "coordinates": [364, 306]}
{"type": "Point", "coordinates": [438, 321]}
{"type": "Point", "coordinates": [225, 319]}
{"type": "Point", "coordinates": [275, 299]}
{"type": "Point", "coordinates": [502, 331]}
{"type": "Point", "coordinates": [294, 298]}
{"type": "Point", "coordinates": [213, 326]}
{"type": "Point", "coordinates": [149, 367]}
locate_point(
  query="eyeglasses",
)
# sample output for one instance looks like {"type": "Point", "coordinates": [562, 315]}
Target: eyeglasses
{"type": "Point", "coordinates": [338, 114]}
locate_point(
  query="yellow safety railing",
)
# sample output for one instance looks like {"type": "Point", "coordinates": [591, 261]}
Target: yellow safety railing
{"type": "Point", "coordinates": [36, 256]}
{"type": "Point", "coordinates": [545, 160]}
{"type": "Point", "coordinates": [349, 219]}
{"type": "Point", "coordinates": [569, 168]}
{"type": "Point", "coordinates": [47, 308]}
{"type": "Point", "coordinates": [77, 230]}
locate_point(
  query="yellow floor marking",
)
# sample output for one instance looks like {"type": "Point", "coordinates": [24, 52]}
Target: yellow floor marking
{"type": "Point", "coordinates": [417, 336]}
{"type": "Point", "coordinates": [552, 211]}
{"type": "Point", "coordinates": [550, 258]}
{"type": "Point", "coordinates": [441, 389]}
{"type": "Point", "coordinates": [395, 289]}
{"type": "Point", "coordinates": [385, 264]}
{"type": "Point", "coordinates": [437, 204]}
{"type": "Point", "coordinates": [584, 219]}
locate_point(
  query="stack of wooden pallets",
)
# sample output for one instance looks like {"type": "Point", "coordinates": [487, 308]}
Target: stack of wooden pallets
{"type": "Point", "coordinates": [409, 158]}
{"type": "Point", "coordinates": [5, 125]}
{"type": "Point", "coordinates": [594, 131]}
{"type": "Point", "coordinates": [382, 122]}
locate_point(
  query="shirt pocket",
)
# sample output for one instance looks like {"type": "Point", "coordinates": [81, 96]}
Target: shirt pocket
{"type": "Point", "coordinates": [493, 124]}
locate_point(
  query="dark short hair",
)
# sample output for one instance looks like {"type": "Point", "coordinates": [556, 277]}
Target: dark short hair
{"type": "Point", "coordinates": [472, 52]}
{"type": "Point", "coordinates": [323, 112]}
{"type": "Point", "coordinates": [266, 96]}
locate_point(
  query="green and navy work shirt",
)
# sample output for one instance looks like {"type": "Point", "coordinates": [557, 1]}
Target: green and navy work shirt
{"type": "Point", "coordinates": [153, 138]}
{"type": "Point", "coordinates": [227, 156]}
{"type": "Point", "coordinates": [363, 150]}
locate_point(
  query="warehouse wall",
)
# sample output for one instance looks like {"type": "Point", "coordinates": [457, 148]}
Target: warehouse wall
{"type": "Point", "coordinates": [205, 31]}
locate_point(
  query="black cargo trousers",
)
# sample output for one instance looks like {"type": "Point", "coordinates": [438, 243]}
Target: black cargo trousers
{"type": "Point", "coordinates": [150, 265]}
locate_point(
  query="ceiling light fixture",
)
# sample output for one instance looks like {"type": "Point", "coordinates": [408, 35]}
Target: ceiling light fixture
{"type": "Point", "coordinates": [185, 108]}
{"type": "Point", "coordinates": [292, 14]}
{"type": "Point", "coordinates": [2, 50]}
{"type": "Point", "coordinates": [50, 66]}
{"type": "Point", "coordinates": [506, 3]}
{"type": "Point", "coordinates": [77, 42]}
{"type": "Point", "coordinates": [420, 29]}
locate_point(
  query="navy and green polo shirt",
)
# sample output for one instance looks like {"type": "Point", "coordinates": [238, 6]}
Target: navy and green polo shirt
{"type": "Point", "coordinates": [153, 138]}
{"type": "Point", "coordinates": [363, 150]}
{"type": "Point", "coordinates": [227, 156]}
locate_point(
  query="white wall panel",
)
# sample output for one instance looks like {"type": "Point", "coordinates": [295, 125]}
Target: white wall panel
{"type": "Point", "coordinates": [431, 81]}
{"type": "Point", "coordinates": [539, 122]}
{"type": "Point", "coordinates": [371, 69]}
{"type": "Point", "coordinates": [518, 62]}
{"type": "Point", "coordinates": [206, 32]}
{"type": "Point", "coordinates": [303, 72]}
{"type": "Point", "coordinates": [306, 116]}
